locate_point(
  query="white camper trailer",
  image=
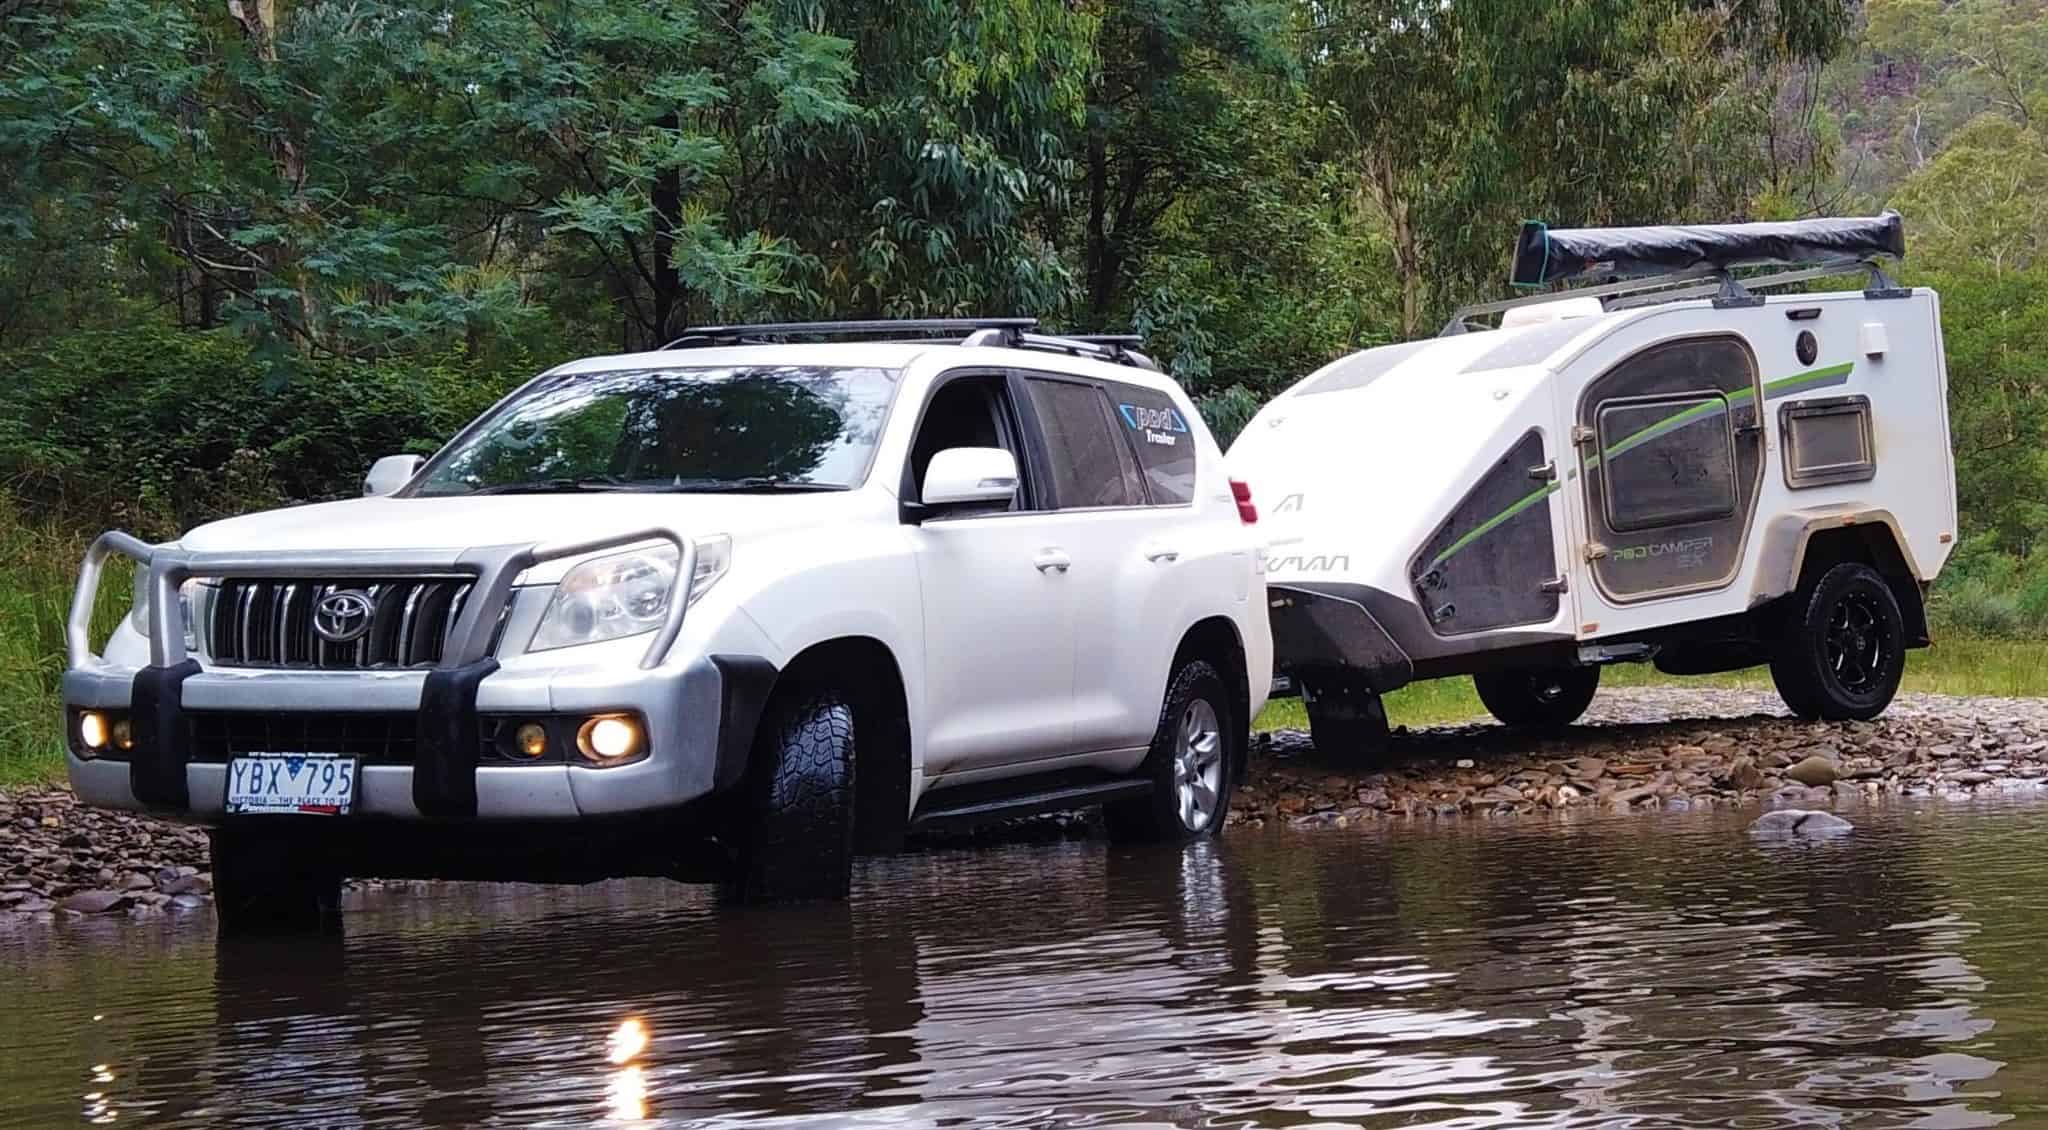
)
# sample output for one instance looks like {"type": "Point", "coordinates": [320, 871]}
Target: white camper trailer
{"type": "Point", "coordinates": [1675, 465]}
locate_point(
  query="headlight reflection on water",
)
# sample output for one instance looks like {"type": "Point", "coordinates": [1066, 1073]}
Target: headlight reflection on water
{"type": "Point", "coordinates": [625, 1092]}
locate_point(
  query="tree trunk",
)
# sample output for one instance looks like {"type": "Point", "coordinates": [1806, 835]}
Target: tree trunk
{"type": "Point", "coordinates": [258, 19]}
{"type": "Point", "coordinates": [667, 198]}
{"type": "Point", "coordinates": [1382, 186]}
{"type": "Point", "coordinates": [1100, 256]}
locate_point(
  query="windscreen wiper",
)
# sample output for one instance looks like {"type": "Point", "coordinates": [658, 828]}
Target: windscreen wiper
{"type": "Point", "coordinates": [556, 486]}
{"type": "Point", "coordinates": [761, 483]}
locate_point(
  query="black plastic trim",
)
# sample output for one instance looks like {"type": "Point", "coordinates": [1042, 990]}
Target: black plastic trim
{"type": "Point", "coordinates": [156, 767]}
{"type": "Point", "coordinates": [744, 684]}
{"type": "Point", "coordinates": [450, 743]}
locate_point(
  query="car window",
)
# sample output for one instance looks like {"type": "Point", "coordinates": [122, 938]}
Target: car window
{"type": "Point", "coordinates": [970, 411]}
{"type": "Point", "coordinates": [1164, 442]}
{"type": "Point", "coordinates": [1091, 465]}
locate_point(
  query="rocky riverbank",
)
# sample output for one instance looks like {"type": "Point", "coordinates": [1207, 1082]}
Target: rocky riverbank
{"type": "Point", "coordinates": [1638, 750]}
{"type": "Point", "coordinates": [1663, 749]}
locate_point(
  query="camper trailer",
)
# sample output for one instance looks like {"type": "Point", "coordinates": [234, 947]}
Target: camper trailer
{"type": "Point", "coordinates": [1697, 458]}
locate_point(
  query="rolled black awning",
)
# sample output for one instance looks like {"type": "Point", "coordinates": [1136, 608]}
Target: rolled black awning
{"type": "Point", "coordinates": [1545, 254]}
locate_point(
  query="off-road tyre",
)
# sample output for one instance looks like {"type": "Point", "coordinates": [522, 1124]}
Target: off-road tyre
{"type": "Point", "coordinates": [263, 885]}
{"type": "Point", "coordinates": [795, 839]}
{"type": "Point", "coordinates": [1544, 698]}
{"type": "Point", "coordinates": [1842, 650]}
{"type": "Point", "coordinates": [1347, 721]}
{"type": "Point", "coordinates": [1194, 755]}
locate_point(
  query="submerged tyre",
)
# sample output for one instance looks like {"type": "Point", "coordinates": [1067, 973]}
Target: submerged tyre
{"type": "Point", "coordinates": [1546, 698]}
{"type": "Point", "coordinates": [796, 833]}
{"type": "Point", "coordinates": [262, 886]}
{"type": "Point", "coordinates": [1843, 649]}
{"type": "Point", "coordinates": [1189, 764]}
{"type": "Point", "coordinates": [1347, 721]}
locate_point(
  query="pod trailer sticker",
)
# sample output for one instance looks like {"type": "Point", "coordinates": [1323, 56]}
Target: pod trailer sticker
{"type": "Point", "coordinates": [1162, 426]}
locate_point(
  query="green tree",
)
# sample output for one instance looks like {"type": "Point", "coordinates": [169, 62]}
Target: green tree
{"type": "Point", "coordinates": [1463, 118]}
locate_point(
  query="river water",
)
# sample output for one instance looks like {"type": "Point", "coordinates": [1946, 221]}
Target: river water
{"type": "Point", "coordinates": [1622, 971]}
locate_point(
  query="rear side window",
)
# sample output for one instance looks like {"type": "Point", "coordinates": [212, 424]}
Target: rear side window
{"type": "Point", "coordinates": [1164, 442]}
{"type": "Point", "coordinates": [1091, 466]}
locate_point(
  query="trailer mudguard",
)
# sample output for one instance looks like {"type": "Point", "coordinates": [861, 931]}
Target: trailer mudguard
{"type": "Point", "coordinates": [1317, 629]}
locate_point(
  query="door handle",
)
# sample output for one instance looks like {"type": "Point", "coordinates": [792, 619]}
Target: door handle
{"type": "Point", "coordinates": [1161, 556]}
{"type": "Point", "coordinates": [1052, 560]}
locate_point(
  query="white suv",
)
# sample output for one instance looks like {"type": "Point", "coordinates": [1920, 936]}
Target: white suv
{"type": "Point", "coordinates": [737, 609]}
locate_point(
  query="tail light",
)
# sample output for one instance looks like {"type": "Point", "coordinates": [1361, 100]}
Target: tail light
{"type": "Point", "coordinates": [1242, 492]}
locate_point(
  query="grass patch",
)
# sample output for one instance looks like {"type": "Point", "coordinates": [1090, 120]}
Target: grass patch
{"type": "Point", "coordinates": [38, 570]}
{"type": "Point", "coordinates": [2000, 667]}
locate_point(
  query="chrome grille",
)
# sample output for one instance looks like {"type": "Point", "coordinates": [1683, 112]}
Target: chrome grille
{"type": "Point", "coordinates": [255, 622]}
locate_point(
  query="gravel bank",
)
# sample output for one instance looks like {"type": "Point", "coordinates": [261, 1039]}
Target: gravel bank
{"type": "Point", "coordinates": [1637, 750]}
{"type": "Point", "coordinates": [1663, 748]}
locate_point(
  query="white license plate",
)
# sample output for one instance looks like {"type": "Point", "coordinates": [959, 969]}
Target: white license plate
{"type": "Point", "coordinates": [318, 783]}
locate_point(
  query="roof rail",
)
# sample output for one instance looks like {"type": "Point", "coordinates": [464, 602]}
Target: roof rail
{"type": "Point", "coordinates": [1008, 333]}
{"type": "Point", "coordinates": [762, 331]}
{"type": "Point", "coordinates": [1722, 286]}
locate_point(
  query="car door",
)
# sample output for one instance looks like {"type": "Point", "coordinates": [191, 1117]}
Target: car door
{"type": "Point", "coordinates": [1125, 560]}
{"type": "Point", "coordinates": [997, 595]}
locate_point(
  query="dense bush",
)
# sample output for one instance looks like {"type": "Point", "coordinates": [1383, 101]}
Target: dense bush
{"type": "Point", "coordinates": [154, 427]}
{"type": "Point", "coordinates": [1987, 592]}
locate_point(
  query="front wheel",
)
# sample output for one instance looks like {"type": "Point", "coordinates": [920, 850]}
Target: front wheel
{"type": "Point", "coordinates": [796, 827]}
{"type": "Point", "coordinates": [1547, 698]}
{"type": "Point", "coordinates": [1189, 764]}
{"type": "Point", "coordinates": [264, 885]}
{"type": "Point", "coordinates": [1843, 650]}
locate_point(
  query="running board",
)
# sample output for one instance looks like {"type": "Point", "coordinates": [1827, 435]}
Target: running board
{"type": "Point", "coordinates": [952, 818]}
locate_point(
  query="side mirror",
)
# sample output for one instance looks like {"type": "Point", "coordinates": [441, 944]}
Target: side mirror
{"type": "Point", "coordinates": [389, 473]}
{"type": "Point", "coordinates": [969, 476]}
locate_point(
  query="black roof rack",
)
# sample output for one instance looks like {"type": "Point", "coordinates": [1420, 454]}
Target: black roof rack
{"type": "Point", "coordinates": [1725, 288]}
{"type": "Point", "coordinates": [1009, 333]}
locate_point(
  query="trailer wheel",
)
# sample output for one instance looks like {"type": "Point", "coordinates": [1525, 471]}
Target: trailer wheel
{"type": "Point", "coordinates": [1347, 721]}
{"type": "Point", "coordinates": [1843, 650]}
{"type": "Point", "coordinates": [1545, 698]}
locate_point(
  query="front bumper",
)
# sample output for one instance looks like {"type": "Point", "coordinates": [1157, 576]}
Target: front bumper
{"type": "Point", "coordinates": [699, 715]}
{"type": "Point", "coordinates": [699, 719]}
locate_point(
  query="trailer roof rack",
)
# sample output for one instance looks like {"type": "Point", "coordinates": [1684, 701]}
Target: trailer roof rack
{"type": "Point", "coordinates": [1007, 333]}
{"type": "Point", "coordinates": [1722, 285]}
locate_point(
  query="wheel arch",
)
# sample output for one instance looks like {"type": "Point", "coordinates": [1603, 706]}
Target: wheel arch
{"type": "Point", "coordinates": [1216, 639]}
{"type": "Point", "coordinates": [867, 670]}
{"type": "Point", "coordinates": [1800, 548]}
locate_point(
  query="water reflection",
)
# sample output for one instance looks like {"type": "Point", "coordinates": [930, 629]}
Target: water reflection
{"type": "Point", "coordinates": [1628, 972]}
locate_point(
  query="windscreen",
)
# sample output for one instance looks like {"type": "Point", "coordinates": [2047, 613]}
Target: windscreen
{"type": "Point", "coordinates": [801, 427]}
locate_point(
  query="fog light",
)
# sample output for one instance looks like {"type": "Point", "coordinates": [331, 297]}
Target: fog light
{"type": "Point", "coordinates": [124, 734]}
{"type": "Point", "coordinates": [92, 729]}
{"type": "Point", "coordinates": [530, 739]}
{"type": "Point", "coordinates": [609, 738]}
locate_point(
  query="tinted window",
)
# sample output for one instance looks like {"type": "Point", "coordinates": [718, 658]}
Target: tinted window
{"type": "Point", "coordinates": [1670, 459]}
{"type": "Point", "coordinates": [1163, 440]}
{"type": "Point", "coordinates": [1090, 464]}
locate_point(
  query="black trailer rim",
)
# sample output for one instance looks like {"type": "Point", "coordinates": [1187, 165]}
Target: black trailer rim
{"type": "Point", "coordinates": [1859, 646]}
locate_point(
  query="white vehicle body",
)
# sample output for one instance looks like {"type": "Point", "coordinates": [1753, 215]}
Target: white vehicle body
{"type": "Point", "coordinates": [1016, 642]}
{"type": "Point", "coordinates": [1585, 484]}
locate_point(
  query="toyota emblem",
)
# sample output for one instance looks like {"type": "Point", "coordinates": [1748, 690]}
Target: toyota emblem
{"type": "Point", "coordinates": [342, 617]}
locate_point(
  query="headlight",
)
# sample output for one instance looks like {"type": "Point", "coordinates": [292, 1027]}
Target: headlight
{"type": "Point", "coordinates": [138, 613]}
{"type": "Point", "coordinates": [625, 594]}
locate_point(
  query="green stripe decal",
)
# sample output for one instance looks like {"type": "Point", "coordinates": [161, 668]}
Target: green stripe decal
{"type": "Point", "coordinates": [1520, 504]}
{"type": "Point", "coordinates": [1798, 382]}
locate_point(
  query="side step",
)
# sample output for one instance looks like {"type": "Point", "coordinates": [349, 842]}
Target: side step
{"type": "Point", "coordinates": [942, 816]}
